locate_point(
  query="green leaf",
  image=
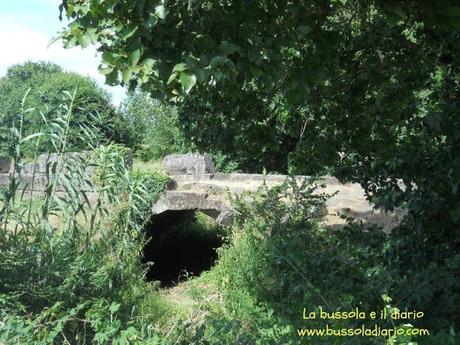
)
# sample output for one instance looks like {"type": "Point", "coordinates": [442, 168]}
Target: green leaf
{"type": "Point", "coordinates": [128, 32]}
{"type": "Point", "coordinates": [187, 81]}
{"type": "Point", "coordinates": [228, 48]}
{"type": "Point", "coordinates": [135, 56]}
{"type": "Point", "coordinates": [180, 67]}
{"type": "Point", "coordinates": [84, 40]}
{"type": "Point", "coordinates": [433, 120]}
{"type": "Point", "coordinates": [109, 57]}
{"type": "Point", "coordinates": [148, 62]}
{"type": "Point", "coordinates": [126, 75]}
{"type": "Point", "coordinates": [111, 7]}
{"type": "Point", "coordinates": [68, 95]}
{"type": "Point", "coordinates": [29, 137]}
{"type": "Point", "coordinates": [112, 78]}
{"type": "Point", "coordinates": [151, 22]}
{"type": "Point", "coordinates": [217, 61]}
{"type": "Point", "coordinates": [105, 70]}
{"type": "Point", "coordinates": [70, 43]}
{"type": "Point", "coordinates": [200, 74]}
{"type": "Point", "coordinates": [172, 77]}
{"type": "Point", "coordinates": [114, 307]}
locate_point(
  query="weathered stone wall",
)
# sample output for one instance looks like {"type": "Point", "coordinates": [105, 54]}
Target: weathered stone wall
{"type": "Point", "coordinates": [33, 176]}
{"type": "Point", "coordinates": [196, 186]}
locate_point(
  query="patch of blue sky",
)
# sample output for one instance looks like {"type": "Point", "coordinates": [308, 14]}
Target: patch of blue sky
{"type": "Point", "coordinates": [26, 29]}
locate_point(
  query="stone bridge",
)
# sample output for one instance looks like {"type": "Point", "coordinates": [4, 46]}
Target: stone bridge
{"type": "Point", "coordinates": [195, 186]}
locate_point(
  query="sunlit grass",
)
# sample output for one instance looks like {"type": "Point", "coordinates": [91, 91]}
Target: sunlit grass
{"type": "Point", "coordinates": [150, 166]}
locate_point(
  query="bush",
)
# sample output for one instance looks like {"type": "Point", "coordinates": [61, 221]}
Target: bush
{"type": "Point", "coordinates": [279, 261]}
{"type": "Point", "coordinates": [224, 163]}
{"type": "Point", "coordinates": [70, 269]}
{"type": "Point", "coordinates": [152, 184]}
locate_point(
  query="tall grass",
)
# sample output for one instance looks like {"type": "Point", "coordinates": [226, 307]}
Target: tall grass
{"type": "Point", "coordinates": [69, 269]}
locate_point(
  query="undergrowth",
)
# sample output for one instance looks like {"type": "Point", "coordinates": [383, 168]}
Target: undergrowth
{"type": "Point", "coordinates": [79, 281]}
{"type": "Point", "coordinates": [70, 268]}
{"type": "Point", "coordinates": [278, 261]}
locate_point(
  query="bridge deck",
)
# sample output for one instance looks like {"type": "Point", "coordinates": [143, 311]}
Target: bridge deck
{"type": "Point", "coordinates": [208, 193]}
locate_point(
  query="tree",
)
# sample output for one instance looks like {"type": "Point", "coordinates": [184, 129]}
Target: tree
{"type": "Point", "coordinates": [155, 127]}
{"type": "Point", "coordinates": [138, 111]}
{"type": "Point", "coordinates": [254, 132]}
{"type": "Point", "coordinates": [369, 87]}
{"type": "Point", "coordinates": [47, 82]}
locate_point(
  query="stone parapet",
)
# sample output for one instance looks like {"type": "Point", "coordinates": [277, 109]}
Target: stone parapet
{"type": "Point", "coordinates": [208, 192]}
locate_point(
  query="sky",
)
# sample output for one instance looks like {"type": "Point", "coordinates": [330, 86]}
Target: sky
{"type": "Point", "coordinates": [26, 29]}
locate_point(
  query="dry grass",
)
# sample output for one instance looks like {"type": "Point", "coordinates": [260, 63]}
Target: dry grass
{"type": "Point", "coordinates": [192, 302]}
{"type": "Point", "coordinates": [154, 165]}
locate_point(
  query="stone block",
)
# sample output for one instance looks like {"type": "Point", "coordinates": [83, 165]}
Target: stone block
{"type": "Point", "coordinates": [5, 165]}
{"type": "Point", "coordinates": [4, 179]}
{"type": "Point", "coordinates": [225, 217]}
{"type": "Point", "coordinates": [189, 163]}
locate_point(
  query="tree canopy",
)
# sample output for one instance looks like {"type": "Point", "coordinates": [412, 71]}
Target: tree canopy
{"type": "Point", "coordinates": [174, 46]}
{"type": "Point", "coordinates": [367, 88]}
{"type": "Point", "coordinates": [47, 82]}
{"type": "Point", "coordinates": [154, 126]}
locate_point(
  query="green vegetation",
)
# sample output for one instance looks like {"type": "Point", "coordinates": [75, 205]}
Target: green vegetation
{"type": "Point", "coordinates": [280, 261]}
{"type": "Point", "coordinates": [80, 279]}
{"type": "Point", "coordinates": [155, 125]}
{"type": "Point", "coordinates": [77, 276]}
{"type": "Point", "coordinates": [46, 82]}
{"type": "Point", "coordinates": [367, 91]}
{"type": "Point", "coordinates": [364, 90]}
{"type": "Point", "coordinates": [158, 130]}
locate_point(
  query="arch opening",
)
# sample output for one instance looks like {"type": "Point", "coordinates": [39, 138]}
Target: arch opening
{"type": "Point", "coordinates": [180, 245]}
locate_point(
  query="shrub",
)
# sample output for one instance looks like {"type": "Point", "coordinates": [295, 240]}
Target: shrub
{"type": "Point", "coordinates": [70, 270]}
{"type": "Point", "coordinates": [279, 261]}
{"type": "Point", "coordinates": [224, 163]}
